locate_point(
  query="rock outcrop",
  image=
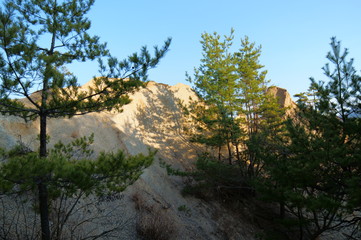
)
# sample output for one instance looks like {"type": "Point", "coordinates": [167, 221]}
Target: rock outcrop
{"type": "Point", "coordinates": [153, 119]}
{"type": "Point", "coordinates": [283, 97]}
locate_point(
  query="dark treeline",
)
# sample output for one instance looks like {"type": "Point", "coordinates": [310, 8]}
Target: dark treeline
{"type": "Point", "coordinates": [307, 161]}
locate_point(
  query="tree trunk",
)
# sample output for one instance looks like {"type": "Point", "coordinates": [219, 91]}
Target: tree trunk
{"type": "Point", "coordinates": [44, 210]}
{"type": "Point", "coordinates": [238, 153]}
{"type": "Point", "coordinates": [42, 136]}
{"type": "Point", "coordinates": [229, 153]}
{"type": "Point", "coordinates": [42, 187]}
{"type": "Point", "coordinates": [219, 153]}
{"type": "Point", "coordinates": [282, 210]}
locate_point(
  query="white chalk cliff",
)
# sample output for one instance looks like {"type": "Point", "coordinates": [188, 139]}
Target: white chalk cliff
{"type": "Point", "coordinates": [153, 119]}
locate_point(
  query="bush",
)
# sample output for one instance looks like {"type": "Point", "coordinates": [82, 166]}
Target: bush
{"type": "Point", "coordinates": [214, 179]}
{"type": "Point", "coordinates": [153, 223]}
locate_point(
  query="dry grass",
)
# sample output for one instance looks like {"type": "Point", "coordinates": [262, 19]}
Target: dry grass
{"type": "Point", "coordinates": [153, 223]}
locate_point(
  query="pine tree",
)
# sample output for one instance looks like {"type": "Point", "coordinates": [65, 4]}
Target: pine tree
{"type": "Point", "coordinates": [215, 82]}
{"type": "Point", "coordinates": [73, 174]}
{"type": "Point", "coordinates": [260, 110]}
{"type": "Point", "coordinates": [235, 114]}
{"type": "Point", "coordinates": [235, 105]}
{"type": "Point", "coordinates": [317, 174]}
{"type": "Point", "coordinates": [253, 83]}
{"type": "Point", "coordinates": [38, 38]}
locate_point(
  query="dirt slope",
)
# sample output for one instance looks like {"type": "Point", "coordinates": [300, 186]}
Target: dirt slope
{"type": "Point", "coordinates": [153, 119]}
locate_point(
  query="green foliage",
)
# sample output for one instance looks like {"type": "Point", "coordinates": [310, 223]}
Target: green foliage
{"type": "Point", "coordinates": [214, 80]}
{"type": "Point", "coordinates": [253, 83]}
{"type": "Point", "coordinates": [316, 172]}
{"type": "Point", "coordinates": [37, 43]}
{"type": "Point", "coordinates": [185, 209]}
{"type": "Point", "coordinates": [68, 170]}
{"type": "Point", "coordinates": [213, 179]}
{"type": "Point", "coordinates": [71, 173]}
{"type": "Point", "coordinates": [236, 119]}
{"type": "Point", "coordinates": [38, 39]}
{"type": "Point", "coordinates": [234, 106]}
{"type": "Point", "coordinates": [216, 84]}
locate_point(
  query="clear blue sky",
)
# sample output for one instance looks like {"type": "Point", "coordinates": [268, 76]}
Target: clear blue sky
{"type": "Point", "coordinates": [294, 34]}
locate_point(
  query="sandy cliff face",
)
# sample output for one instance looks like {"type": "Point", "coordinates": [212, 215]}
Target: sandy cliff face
{"type": "Point", "coordinates": [284, 98]}
{"type": "Point", "coordinates": [153, 119]}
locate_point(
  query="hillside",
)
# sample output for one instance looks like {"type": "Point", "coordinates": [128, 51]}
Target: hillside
{"type": "Point", "coordinates": [153, 119]}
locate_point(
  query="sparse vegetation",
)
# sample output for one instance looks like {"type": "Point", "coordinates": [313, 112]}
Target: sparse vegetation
{"type": "Point", "coordinates": [308, 164]}
{"type": "Point", "coordinates": [233, 116]}
{"type": "Point", "coordinates": [153, 223]}
{"type": "Point", "coordinates": [296, 176]}
{"type": "Point", "coordinates": [74, 178]}
{"type": "Point", "coordinates": [37, 40]}
{"type": "Point", "coordinates": [317, 172]}
{"type": "Point", "coordinates": [185, 210]}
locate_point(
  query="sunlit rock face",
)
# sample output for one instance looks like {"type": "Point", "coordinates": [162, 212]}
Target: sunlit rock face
{"type": "Point", "coordinates": [154, 120]}
{"type": "Point", "coordinates": [282, 95]}
{"type": "Point", "coordinates": [284, 98]}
